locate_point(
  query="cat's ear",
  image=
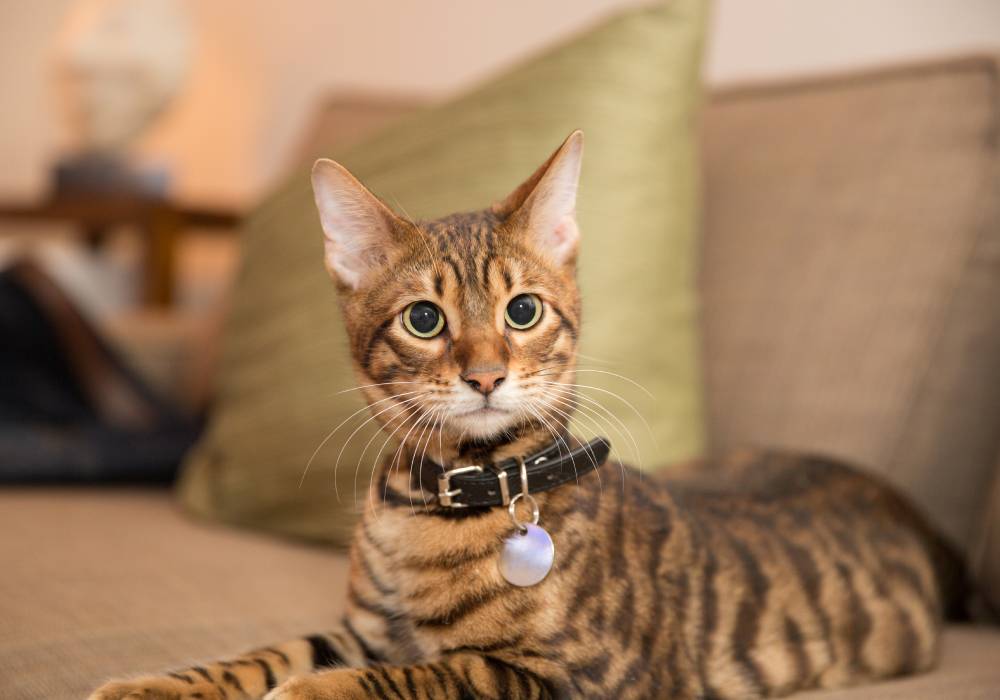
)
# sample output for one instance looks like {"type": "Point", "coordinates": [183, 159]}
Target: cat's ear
{"type": "Point", "coordinates": [359, 230]}
{"type": "Point", "coordinates": [544, 205]}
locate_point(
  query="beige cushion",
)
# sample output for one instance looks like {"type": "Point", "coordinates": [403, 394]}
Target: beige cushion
{"type": "Point", "coordinates": [851, 275]}
{"type": "Point", "coordinates": [96, 584]}
{"type": "Point", "coordinates": [632, 84]}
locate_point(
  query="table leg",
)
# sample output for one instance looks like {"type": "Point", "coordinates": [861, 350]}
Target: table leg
{"type": "Point", "coordinates": [164, 228]}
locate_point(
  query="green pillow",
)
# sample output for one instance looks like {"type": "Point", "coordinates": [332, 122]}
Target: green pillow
{"type": "Point", "coordinates": [631, 84]}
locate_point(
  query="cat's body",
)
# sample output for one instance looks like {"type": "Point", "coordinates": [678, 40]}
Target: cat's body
{"type": "Point", "coordinates": [754, 576]}
{"type": "Point", "coordinates": [775, 574]}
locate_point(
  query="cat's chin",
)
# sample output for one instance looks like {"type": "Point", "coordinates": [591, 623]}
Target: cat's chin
{"type": "Point", "coordinates": [482, 423]}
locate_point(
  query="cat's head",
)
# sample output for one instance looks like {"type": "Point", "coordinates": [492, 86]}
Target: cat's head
{"type": "Point", "coordinates": [467, 324]}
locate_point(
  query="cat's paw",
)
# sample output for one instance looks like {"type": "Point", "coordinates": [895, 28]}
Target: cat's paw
{"type": "Point", "coordinates": [156, 688]}
{"type": "Point", "coordinates": [330, 685]}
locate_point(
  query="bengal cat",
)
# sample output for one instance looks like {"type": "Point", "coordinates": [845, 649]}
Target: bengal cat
{"type": "Point", "coordinates": [768, 574]}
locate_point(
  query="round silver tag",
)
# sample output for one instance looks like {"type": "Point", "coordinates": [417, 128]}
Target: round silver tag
{"type": "Point", "coordinates": [527, 557]}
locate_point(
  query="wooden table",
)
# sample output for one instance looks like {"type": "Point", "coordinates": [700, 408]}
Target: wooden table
{"type": "Point", "coordinates": [159, 222]}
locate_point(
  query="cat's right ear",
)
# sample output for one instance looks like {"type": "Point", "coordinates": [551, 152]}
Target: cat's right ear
{"type": "Point", "coordinates": [544, 205]}
{"type": "Point", "coordinates": [359, 230]}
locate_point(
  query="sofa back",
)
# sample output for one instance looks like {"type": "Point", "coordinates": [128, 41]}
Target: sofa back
{"type": "Point", "coordinates": [850, 271]}
{"type": "Point", "coordinates": [851, 275]}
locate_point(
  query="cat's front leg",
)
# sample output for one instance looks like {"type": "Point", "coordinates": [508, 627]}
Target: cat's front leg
{"type": "Point", "coordinates": [454, 677]}
{"type": "Point", "coordinates": [249, 676]}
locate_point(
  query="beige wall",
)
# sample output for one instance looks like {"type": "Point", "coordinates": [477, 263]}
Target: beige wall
{"type": "Point", "coordinates": [260, 65]}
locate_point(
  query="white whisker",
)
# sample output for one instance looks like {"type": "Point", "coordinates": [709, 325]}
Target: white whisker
{"type": "Point", "coordinates": [596, 407]}
{"type": "Point", "coordinates": [618, 376]}
{"type": "Point", "coordinates": [368, 386]}
{"type": "Point", "coordinates": [334, 431]}
{"type": "Point", "coordinates": [590, 454]}
{"type": "Point", "coordinates": [620, 398]}
{"type": "Point", "coordinates": [404, 404]}
{"type": "Point", "coordinates": [594, 418]}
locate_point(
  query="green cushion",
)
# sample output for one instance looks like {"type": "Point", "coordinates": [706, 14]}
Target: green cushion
{"type": "Point", "coordinates": [631, 84]}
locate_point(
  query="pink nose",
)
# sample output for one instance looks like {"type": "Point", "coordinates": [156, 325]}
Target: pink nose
{"type": "Point", "coordinates": [484, 380]}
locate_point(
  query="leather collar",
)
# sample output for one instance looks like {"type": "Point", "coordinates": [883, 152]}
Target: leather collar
{"type": "Point", "coordinates": [496, 485]}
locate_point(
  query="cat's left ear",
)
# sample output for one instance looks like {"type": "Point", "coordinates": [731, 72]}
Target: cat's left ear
{"type": "Point", "coordinates": [544, 205]}
{"type": "Point", "coordinates": [359, 230]}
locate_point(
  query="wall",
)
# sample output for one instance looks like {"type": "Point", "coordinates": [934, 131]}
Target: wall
{"type": "Point", "coordinates": [260, 65]}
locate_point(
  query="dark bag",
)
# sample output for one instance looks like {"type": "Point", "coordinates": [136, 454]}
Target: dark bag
{"type": "Point", "coordinates": [71, 410]}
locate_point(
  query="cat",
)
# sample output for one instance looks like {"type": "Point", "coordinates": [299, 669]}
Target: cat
{"type": "Point", "coordinates": [759, 574]}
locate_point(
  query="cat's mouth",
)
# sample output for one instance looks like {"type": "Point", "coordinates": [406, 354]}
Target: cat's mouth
{"type": "Point", "coordinates": [484, 421]}
{"type": "Point", "coordinates": [482, 412]}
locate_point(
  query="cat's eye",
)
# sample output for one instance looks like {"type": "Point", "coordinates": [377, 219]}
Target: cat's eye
{"type": "Point", "coordinates": [523, 311]}
{"type": "Point", "coordinates": [423, 319]}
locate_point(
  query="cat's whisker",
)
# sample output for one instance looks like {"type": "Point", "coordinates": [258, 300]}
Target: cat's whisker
{"type": "Point", "coordinates": [437, 425]}
{"type": "Point", "coordinates": [385, 428]}
{"type": "Point", "coordinates": [617, 376]}
{"type": "Point", "coordinates": [602, 410]}
{"type": "Point", "coordinates": [433, 416]}
{"type": "Point", "coordinates": [593, 417]}
{"type": "Point", "coordinates": [403, 417]}
{"type": "Point", "coordinates": [590, 455]}
{"type": "Point", "coordinates": [559, 440]}
{"type": "Point", "coordinates": [593, 358]}
{"type": "Point", "coordinates": [625, 401]}
{"type": "Point", "coordinates": [405, 404]}
{"type": "Point", "coordinates": [333, 432]}
{"type": "Point", "coordinates": [369, 386]}
{"type": "Point", "coordinates": [538, 371]}
{"type": "Point", "coordinates": [415, 415]}
{"type": "Point", "coordinates": [426, 421]}
{"type": "Point", "coordinates": [394, 465]}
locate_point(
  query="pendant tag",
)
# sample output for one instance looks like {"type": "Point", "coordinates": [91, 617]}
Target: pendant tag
{"type": "Point", "coordinates": [527, 556]}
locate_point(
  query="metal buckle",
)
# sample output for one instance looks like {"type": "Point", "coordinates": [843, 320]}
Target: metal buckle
{"type": "Point", "coordinates": [446, 492]}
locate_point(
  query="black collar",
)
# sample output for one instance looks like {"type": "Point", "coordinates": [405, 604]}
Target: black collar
{"type": "Point", "coordinates": [495, 485]}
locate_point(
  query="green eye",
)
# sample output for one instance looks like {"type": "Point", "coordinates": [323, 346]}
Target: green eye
{"type": "Point", "coordinates": [523, 311]}
{"type": "Point", "coordinates": [423, 319]}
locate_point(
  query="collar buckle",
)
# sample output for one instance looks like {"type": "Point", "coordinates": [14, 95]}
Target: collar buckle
{"type": "Point", "coordinates": [446, 493]}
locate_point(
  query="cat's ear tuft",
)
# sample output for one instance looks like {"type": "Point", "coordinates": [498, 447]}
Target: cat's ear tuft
{"type": "Point", "coordinates": [359, 230]}
{"type": "Point", "coordinates": [544, 205]}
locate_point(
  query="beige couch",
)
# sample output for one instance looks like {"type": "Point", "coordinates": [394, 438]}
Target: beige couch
{"type": "Point", "coordinates": [851, 303]}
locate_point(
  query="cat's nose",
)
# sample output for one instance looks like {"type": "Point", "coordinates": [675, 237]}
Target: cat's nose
{"type": "Point", "coordinates": [485, 381]}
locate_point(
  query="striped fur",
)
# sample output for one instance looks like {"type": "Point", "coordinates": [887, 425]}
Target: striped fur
{"type": "Point", "coordinates": [752, 576]}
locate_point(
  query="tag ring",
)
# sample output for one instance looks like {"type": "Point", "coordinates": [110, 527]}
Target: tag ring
{"type": "Point", "coordinates": [512, 508]}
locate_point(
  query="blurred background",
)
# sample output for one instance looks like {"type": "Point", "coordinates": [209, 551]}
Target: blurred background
{"type": "Point", "coordinates": [207, 104]}
{"type": "Point", "coordinates": [231, 87]}
{"type": "Point", "coordinates": [809, 191]}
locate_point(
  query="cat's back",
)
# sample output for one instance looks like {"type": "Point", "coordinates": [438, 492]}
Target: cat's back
{"type": "Point", "coordinates": [754, 483]}
{"type": "Point", "coordinates": [815, 573]}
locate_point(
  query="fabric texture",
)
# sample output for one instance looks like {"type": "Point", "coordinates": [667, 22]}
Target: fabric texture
{"type": "Point", "coordinates": [851, 276]}
{"type": "Point", "coordinates": [128, 584]}
{"type": "Point", "coordinates": [631, 84]}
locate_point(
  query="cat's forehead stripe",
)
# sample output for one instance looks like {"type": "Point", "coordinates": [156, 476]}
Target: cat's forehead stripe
{"type": "Point", "coordinates": [466, 243]}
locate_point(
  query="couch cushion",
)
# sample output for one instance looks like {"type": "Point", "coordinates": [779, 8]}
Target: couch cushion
{"type": "Point", "coordinates": [631, 84]}
{"type": "Point", "coordinates": [851, 275]}
{"type": "Point", "coordinates": [97, 584]}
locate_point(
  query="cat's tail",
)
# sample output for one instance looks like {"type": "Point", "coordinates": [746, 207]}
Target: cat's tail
{"type": "Point", "coordinates": [952, 574]}
{"type": "Point", "coordinates": [961, 599]}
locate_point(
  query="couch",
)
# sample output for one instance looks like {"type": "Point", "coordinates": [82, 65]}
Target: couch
{"type": "Point", "coordinates": [850, 289]}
